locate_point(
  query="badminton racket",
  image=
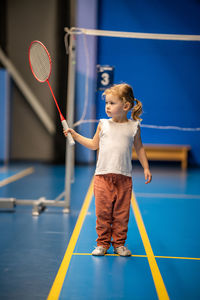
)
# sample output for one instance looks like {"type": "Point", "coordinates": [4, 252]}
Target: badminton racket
{"type": "Point", "coordinates": [41, 65]}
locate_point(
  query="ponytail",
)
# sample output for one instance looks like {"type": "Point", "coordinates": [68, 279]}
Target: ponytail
{"type": "Point", "coordinates": [137, 110]}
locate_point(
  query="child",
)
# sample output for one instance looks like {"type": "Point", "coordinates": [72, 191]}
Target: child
{"type": "Point", "coordinates": [114, 138]}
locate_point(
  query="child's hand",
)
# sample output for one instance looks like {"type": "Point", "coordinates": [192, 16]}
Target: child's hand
{"type": "Point", "coordinates": [147, 176]}
{"type": "Point", "coordinates": [69, 130]}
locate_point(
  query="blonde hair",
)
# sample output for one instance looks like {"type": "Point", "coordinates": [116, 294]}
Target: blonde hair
{"type": "Point", "coordinates": [125, 93]}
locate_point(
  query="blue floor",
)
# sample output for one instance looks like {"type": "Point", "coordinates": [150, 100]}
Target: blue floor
{"type": "Point", "coordinates": [107, 277]}
{"type": "Point", "coordinates": [32, 248]}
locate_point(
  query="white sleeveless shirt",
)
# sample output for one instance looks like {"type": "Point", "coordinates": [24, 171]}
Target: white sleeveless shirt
{"type": "Point", "coordinates": [115, 147]}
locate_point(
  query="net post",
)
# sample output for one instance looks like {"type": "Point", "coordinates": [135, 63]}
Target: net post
{"type": "Point", "coordinates": [69, 157]}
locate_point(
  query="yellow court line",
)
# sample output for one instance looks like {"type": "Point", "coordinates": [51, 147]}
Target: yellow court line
{"type": "Point", "coordinates": [137, 255]}
{"type": "Point", "coordinates": [158, 281]}
{"type": "Point", "coordinates": [108, 254]}
{"type": "Point", "coordinates": [174, 257]}
{"type": "Point", "coordinates": [16, 176]}
{"type": "Point", "coordinates": [60, 277]}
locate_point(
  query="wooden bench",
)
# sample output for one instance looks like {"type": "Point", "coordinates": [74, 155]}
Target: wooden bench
{"type": "Point", "coordinates": [166, 153]}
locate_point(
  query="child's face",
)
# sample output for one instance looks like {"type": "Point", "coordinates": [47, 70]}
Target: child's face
{"type": "Point", "coordinates": [114, 107]}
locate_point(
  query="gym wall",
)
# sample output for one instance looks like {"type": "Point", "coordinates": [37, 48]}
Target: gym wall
{"type": "Point", "coordinates": [164, 74]}
{"type": "Point", "coordinates": [45, 20]}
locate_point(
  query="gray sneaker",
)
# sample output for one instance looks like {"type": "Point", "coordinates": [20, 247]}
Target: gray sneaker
{"type": "Point", "coordinates": [122, 251]}
{"type": "Point", "coordinates": [99, 251]}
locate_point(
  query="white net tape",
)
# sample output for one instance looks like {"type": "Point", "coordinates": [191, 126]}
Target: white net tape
{"type": "Point", "coordinates": [135, 35]}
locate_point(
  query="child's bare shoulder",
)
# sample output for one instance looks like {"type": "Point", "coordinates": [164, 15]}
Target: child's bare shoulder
{"type": "Point", "coordinates": [99, 126]}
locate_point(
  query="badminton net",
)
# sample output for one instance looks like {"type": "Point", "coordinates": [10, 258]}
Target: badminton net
{"type": "Point", "coordinates": [84, 32]}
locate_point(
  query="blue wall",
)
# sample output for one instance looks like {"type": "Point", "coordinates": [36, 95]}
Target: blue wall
{"type": "Point", "coordinates": [4, 115]}
{"type": "Point", "coordinates": [164, 74]}
{"type": "Point", "coordinates": [86, 18]}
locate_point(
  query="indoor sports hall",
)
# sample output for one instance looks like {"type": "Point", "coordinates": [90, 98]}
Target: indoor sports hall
{"type": "Point", "coordinates": [47, 203]}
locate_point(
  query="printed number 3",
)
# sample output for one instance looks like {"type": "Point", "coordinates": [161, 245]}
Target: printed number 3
{"type": "Point", "coordinates": [105, 78]}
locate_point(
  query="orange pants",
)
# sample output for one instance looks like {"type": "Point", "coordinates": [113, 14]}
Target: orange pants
{"type": "Point", "coordinates": [112, 199]}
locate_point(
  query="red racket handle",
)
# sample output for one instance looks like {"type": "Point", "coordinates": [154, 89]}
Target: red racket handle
{"type": "Point", "coordinates": [69, 136]}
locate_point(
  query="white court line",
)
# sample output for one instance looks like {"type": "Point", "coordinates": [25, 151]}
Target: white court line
{"type": "Point", "coordinates": [163, 195]}
{"type": "Point", "coordinates": [16, 176]}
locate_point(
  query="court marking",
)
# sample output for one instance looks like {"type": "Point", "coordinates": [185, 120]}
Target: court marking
{"type": "Point", "coordinates": [157, 278]}
{"type": "Point", "coordinates": [17, 176]}
{"type": "Point", "coordinates": [174, 257]}
{"type": "Point", "coordinates": [108, 254]}
{"type": "Point", "coordinates": [60, 277]}
{"type": "Point", "coordinates": [163, 195]}
{"type": "Point", "coordinates": [137, 255]}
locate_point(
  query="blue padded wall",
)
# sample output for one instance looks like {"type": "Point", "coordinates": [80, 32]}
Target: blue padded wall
{"type": "Point", "coordinates": [4, 115]}
{"type": "Point", "coordinates": [164, 74]}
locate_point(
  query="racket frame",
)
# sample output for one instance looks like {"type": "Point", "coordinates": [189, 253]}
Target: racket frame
{"type": "Point", "coordinates": [63, 120]}
{"type": "Point", "coordinates": [47, 52]}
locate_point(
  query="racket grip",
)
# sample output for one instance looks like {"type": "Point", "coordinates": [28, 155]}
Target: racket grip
{"type": "Point", "coordinates": [69, 136]}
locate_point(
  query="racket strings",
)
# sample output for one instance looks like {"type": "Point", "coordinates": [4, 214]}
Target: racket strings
{"type": "Point", "coordinates": [40, 62]}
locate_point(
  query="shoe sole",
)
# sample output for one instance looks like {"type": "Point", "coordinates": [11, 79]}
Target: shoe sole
{"type": "Point", "coordinates": [99, 254]}
{"type": "Point", "coordinates": [123, 255]}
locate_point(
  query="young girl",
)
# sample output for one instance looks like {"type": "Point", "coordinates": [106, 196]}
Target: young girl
{"type": "Point", "coordinates": [114, 138]}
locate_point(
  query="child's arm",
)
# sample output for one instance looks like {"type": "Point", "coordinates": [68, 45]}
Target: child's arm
{"type": "Point", "coordinates": [92, 144]}
{"type": "Point", "coordinates": [142, 156]}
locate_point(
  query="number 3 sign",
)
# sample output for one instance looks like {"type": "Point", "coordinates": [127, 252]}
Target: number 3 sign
{"type": "Point", "coordinates": [105, 75]}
